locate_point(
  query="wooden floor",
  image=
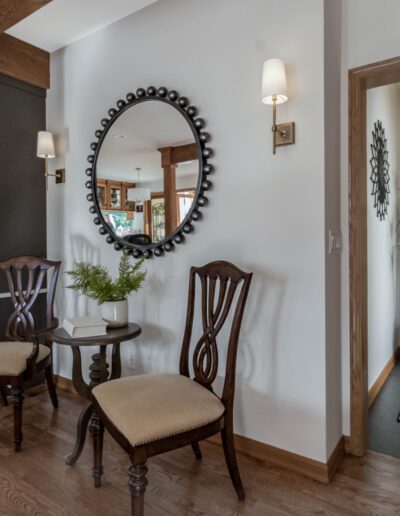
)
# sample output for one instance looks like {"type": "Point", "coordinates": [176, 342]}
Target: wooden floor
{"type": "Point", "coordinates": [37, 481]}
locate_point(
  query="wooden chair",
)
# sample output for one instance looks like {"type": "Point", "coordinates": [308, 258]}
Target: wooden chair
{"type": "Point", "coordinates": [151, 414]}
{"type": "Point", "coordinates": [22, 357]}
{"type": "Point", "coordinates": [139, 239]}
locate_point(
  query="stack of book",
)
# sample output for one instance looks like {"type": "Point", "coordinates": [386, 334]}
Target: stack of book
{"type": "Point", "coordinates": [78, 327]}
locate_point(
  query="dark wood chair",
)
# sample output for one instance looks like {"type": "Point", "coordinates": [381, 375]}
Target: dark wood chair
{"type": "Point", "coordinates": [138, 239]}
{"type": "Point", "coordinates": [152, 414]}
{"type": "Point", "coordinates": [22, 356]}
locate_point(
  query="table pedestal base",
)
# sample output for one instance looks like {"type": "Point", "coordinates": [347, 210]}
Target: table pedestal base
{"type": "Point", "coordinates": [88, 418]}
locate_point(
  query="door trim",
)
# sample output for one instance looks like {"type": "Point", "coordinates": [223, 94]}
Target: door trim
{"type": "Point", "coordinates": [361, 79]}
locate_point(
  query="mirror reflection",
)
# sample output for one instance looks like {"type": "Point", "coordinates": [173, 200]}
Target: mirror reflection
{"type": "Point", "coordinates": [147, 173]}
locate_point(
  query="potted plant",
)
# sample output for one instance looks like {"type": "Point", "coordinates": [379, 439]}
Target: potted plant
{"type": "Point", "coordinates": [112, 295]}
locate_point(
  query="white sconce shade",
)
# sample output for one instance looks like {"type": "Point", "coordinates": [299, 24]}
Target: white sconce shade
{"type": "Point", "coordinates": [274, 84]}
{"type": "Point", "coordinates": [45, 145]}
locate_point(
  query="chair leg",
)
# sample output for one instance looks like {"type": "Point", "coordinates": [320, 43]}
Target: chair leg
{"type": "Point", "coordinates": [137, 486]}
{"type": "Point", "coordinates": [196, 450]}
{"type": "Point", "coordinates": [4, 395]}
{"type": "Point", "coordinates": [17, 401]}
{"type": "Point", "coordinates": [97, 431]}
{"type": "Point", "coordinates": [51, 387]}
{"type": "Point", "coordinates": [230, 457]}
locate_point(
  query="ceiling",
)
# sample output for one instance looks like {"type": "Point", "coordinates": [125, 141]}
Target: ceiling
{"type": "Point", "coordinates": [61, 22]}
{"type": "Point", "coordinates": [134, 139]}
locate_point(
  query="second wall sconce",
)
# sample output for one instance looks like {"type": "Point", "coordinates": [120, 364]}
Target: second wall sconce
{"type": "Point", "coordinates": [46, 150]}
{"type": "Point", "coordinates": [274, 91]}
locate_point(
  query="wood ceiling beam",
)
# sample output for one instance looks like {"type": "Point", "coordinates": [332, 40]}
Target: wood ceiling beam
{"type": "Point", "coordinates": [24, 62]}
{"type": "Point", "coordinates": [13, 11]}
{"type": "Point", "coordinates": [178, 154]}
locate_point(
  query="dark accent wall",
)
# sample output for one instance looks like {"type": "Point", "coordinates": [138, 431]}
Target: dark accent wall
{"type": "Point", "coordinates": [22, 185]}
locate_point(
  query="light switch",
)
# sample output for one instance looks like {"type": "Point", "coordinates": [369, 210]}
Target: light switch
{"type": "Point", "coordinates": [335, 241]}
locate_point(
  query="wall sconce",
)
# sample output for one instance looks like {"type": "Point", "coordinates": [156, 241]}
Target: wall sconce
{"type": "Point", "coordinates": [274, 91]}
{"type": "Point", "coordinates": [45, 150]}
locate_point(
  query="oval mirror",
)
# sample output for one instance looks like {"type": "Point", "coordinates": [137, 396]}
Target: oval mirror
{"type": "Point", "coordinates": [149, 172]}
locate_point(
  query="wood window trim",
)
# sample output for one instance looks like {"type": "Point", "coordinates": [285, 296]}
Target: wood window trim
{"type": "Point", "coordinates": [360, 80]}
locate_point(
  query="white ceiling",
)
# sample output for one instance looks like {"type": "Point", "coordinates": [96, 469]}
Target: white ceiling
{"type": "Point", "coordinates": [61, 22]}
{"type": "Point", "coordinates": [134, 139]}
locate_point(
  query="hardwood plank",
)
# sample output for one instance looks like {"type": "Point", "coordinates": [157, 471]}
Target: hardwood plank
{"type": "Point", "coordinates": [37, 481]}
{"type": "Point", "coordinates": [65, 384]}
{"type": "Point", "coordinates": [13, 11]}
{"type": "Point", "coordinates": [24, 62]}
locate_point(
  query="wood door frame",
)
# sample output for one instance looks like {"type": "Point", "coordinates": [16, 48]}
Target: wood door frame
{"type": "Point", "coordinates": [360, 80]}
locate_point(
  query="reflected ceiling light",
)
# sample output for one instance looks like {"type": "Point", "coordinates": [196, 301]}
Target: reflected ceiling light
{"type": "Point", "coordinates": [139, 194]}
{"type": "Point", "coordinates": [274, 91]}
{"type": "Point", "coordinates": [119, 136]}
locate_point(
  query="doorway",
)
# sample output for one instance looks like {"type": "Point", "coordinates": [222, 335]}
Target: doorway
{"type": "Point", "coordinates": [361, 80]}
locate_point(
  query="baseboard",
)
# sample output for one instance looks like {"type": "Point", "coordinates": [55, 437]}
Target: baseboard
{"type": "Point", "coordinates": [291, 461]}
{"type": "Point", "coordinates": [381, 380]}
{"type": "Point", "coordinates": [336, 458]}
{"type": "Point", "coordinates": [65, 384]}
{"type": "Point", "coordinates": [347, 444]}
{"type": "Point", "coordinates": [322, 472]}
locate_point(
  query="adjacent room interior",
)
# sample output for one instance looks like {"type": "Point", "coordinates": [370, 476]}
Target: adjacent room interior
{"type": "Point", "coordinates": [199, 308]}
{"type": "Point", "coordinates": [383, 110]}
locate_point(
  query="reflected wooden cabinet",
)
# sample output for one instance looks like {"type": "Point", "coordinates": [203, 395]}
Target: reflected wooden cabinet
{"type": "Point", "coordinates": [113, 195]}
{"type": "Point", "coordinates": [127, 205]}
{"type": "Point", "coordinates": [101, 187]}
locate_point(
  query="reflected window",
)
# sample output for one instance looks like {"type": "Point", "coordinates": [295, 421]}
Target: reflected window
{"type": "Point", "coordinates": [185, 200]}
{"type": "Point", "coordinates": [120, 222]}
{"type": "Point", "coordinates": [158, 219]}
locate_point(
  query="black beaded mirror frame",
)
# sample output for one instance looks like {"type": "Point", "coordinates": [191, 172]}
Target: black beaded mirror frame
{"type": "Point", "coordinates": [201, 137]}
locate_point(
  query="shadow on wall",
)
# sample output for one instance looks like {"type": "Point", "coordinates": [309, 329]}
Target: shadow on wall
{"type": "Point", "coordinates": [258, 348]}
{"type": "Point", "coordinates": [82, 251]}
{"type": "Point", "coordinates": [158, 348]}
{"type": "Point", "coordinates": [156, 345]}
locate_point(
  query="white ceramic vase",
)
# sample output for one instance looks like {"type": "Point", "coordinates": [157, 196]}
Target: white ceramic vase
{"type": "Point", "coordinates": [115, 313]}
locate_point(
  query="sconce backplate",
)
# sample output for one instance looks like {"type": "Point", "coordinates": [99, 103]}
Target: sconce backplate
{"type": "Point", "coordinates": [60, 175]}
{"type": "Point", "coordinates": [285, 134]}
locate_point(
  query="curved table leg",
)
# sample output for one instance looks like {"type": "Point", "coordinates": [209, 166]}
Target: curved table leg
{"type": "Point", "coordinates": [82, 427]}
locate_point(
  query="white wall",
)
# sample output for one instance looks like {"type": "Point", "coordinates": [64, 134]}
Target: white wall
{"type": "Point", "coordinates": [370, 33]}
{"type": "Point", "coordinates": [382, 104]}
{"type": "Point", "coordinates": [266, 212]}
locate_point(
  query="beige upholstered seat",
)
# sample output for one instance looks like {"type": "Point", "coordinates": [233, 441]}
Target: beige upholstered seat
{"type": "Point", "coordinates": [13, 356]}
{"type": "Point", "coordinates": [149, 407]}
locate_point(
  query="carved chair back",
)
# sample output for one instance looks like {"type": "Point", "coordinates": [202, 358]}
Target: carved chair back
{"type": "Point", "coordinates": [26, 277]}
{"type": "Point", "coordinates": [219, 283]}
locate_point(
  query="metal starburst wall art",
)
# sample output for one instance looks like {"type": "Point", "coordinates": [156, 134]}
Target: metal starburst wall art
{"type": "Point", "coordinates": [380, 171]}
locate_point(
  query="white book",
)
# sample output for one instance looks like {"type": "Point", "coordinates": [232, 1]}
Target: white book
{"type": "Point", "coordinates": [85, 326]}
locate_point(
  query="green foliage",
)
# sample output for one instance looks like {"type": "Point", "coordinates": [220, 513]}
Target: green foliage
{"type": "Point", "coordinates": [95, 281]}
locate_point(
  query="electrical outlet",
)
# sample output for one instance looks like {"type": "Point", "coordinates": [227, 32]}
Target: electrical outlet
{"type": "Point", "coordinates": [132, 360]}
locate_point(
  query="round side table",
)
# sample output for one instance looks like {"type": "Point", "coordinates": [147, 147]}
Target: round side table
{"type": "Point", "coordinates": [99, 373]}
